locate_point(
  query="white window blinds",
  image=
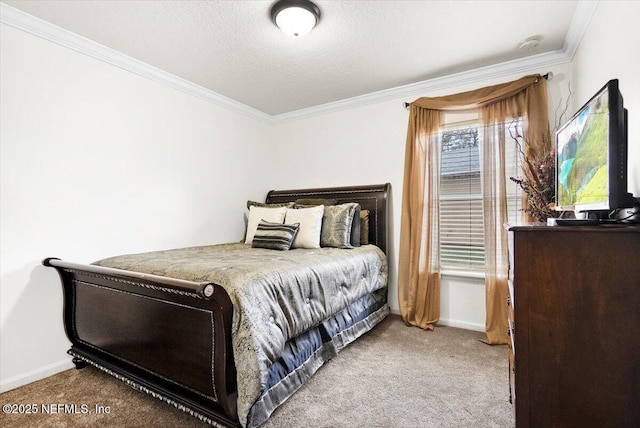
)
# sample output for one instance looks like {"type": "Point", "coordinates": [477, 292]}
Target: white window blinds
{"type": "Point", "coordinates": [461, 225]}
{"type": "Point", "coordinates": [461, 213]}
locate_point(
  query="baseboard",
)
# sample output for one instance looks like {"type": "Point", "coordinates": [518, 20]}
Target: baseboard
{"type": "Point", "coordinates": [462, 324]}
{"type": "Point", "coordinates": [453, 323]}
{"type": "Point", "coordinates": [394, 311]}
{"type": "Point", "coordinates": [34, 375]}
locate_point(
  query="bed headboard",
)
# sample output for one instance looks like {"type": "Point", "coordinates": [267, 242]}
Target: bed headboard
{"type": "Point", "coordinates": [372, 198]}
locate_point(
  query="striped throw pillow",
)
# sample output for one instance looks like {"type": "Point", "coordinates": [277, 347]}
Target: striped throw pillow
{"type": "Point", "coordinates": [274, 236]}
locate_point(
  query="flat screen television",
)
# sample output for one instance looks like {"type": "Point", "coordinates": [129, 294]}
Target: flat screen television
{"type": "Point", "coordinates": [591, 157]}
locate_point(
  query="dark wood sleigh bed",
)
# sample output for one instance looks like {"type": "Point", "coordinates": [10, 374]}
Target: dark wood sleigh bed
{"type": "Point", "coordinates": [172, 338]}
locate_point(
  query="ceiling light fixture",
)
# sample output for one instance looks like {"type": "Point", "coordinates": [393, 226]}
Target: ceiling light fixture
{"type": "Point", "coordinates": [295, 17]}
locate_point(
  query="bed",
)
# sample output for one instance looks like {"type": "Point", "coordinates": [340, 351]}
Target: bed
{"type": "Point", "coordinates": [246, 327]}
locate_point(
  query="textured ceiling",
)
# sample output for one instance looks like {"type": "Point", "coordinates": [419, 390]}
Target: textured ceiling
{"type": "Point", "coordinates": [359, 47]}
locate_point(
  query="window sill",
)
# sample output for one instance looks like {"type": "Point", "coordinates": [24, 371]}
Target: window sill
{"type": "Point", "coordinates": [445, 272]}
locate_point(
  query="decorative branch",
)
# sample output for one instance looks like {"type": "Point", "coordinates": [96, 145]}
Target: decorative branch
{"type": "Point", "coordinates": [538, 181]}
{"type": "Point", "coordinates": [559, 119]}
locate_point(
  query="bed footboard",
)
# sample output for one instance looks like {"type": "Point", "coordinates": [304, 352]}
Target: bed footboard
{"type": "Point", "coordinates": [167, 337]}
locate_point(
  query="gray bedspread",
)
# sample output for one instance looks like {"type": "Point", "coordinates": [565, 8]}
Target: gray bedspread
{"type": "Point", "coordinates": [276, 295]}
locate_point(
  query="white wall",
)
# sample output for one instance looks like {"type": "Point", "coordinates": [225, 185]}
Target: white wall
{"type": "Point", "coordinates": [610, 50]}
{"type": "Point", "coordinates": [97, 161]}
{"type": "Point", "coordinates": [366, 145]}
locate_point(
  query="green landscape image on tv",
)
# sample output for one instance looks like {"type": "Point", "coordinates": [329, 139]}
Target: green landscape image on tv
{"type": "Point", "coordinates": [583, 176]}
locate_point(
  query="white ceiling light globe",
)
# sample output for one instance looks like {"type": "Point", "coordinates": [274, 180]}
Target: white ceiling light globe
{"type": "Point", "coordinates": [295, 21]}
{"type": "Point", "coordinates": [295, 17]}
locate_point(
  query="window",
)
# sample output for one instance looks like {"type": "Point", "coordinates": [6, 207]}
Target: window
{"type": "Point", "coordinates": [461, 225]}
{"type": "Point", "coordinates": [461, 212]}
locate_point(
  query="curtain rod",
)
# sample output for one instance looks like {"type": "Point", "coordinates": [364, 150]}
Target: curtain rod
{"type": "Point", "coordinates": [547, 76]}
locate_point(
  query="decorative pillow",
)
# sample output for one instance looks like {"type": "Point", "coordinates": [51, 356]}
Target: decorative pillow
{"type": "Point", "coordinates": [314, 202]}
{"type": "Point", "coordinates": [336, 225]}
{"type": "Point", "coordinates": [355, 227]}
{"type": "Point", "coordinates": [263, 205]}
{"type": "Point", "coordinates": [273, 215]}
{"type": "Point", "coordinates": [364, 227]}
{"type": "Point", "coordinates": [310, 220]}
{"type": "Point", "coordinates": [274, 236]}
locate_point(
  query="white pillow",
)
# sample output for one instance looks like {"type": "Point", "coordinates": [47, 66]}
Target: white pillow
{"type": "Point", "coordinates": [310, 220]}
{"type": "Point", "coordinates": [272, 215]}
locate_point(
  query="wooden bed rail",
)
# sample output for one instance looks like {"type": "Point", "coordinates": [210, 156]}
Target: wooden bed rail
{"type": "Point", "coordinates": [203, 290]}
{"type": "Point", "coordinates": [167, 337]}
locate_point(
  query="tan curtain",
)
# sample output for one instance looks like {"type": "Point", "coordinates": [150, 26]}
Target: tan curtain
{"type": "Point", "coordinates": [418, 272]}
{"type": "Point", "coordinates": [419, 295]}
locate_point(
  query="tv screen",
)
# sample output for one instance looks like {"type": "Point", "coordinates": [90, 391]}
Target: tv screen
{"type": "Point", "coordinates": [591, 152]}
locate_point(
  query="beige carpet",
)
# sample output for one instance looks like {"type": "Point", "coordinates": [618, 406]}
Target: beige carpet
{"type": "Point", "coordinates": [394, 376]}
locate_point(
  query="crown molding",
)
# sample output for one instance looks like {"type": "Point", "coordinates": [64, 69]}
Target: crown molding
{"type": "Point", "coordinates": [525, 65]}
{"type": "Point", "coordinates": [30, 24]}
{"type": "Point", "coordinates": [579, 23]}
{"type": "Point", "coordinates": [45, 30]}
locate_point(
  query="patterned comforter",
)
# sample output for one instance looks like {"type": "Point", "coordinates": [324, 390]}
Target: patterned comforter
{"type": "Point", "coordinates": [276, 295]}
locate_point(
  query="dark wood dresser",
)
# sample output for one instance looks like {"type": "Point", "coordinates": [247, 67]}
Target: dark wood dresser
{"type": "Point", "coordinates": [574, 324]}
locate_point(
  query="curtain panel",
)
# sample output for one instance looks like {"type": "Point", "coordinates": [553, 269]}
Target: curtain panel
{"type": "Point", "coordinates": [418, 267]}
{"type": "Point", "coordinates": [419, 272]}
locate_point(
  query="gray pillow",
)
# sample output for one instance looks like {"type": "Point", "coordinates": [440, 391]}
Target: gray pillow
{"type": "Point", "coordinates": [364, 227]}
{"type": "Point", "coordinates": [336, 225]}
{"type": "Point", "coordinates": [355, 227]}
{"type": "Point", "coordinates": [274, 236]}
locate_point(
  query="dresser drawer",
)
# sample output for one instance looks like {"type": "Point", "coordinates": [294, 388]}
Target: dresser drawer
{"type": "Point", "coordinates": [511, 332]}
{"type": "Point", "coordinates": [511, 329]}
{"type": "Point", "coordinates": [512, 378]}
{"type": "Point", "coordinates": [511, 301]}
